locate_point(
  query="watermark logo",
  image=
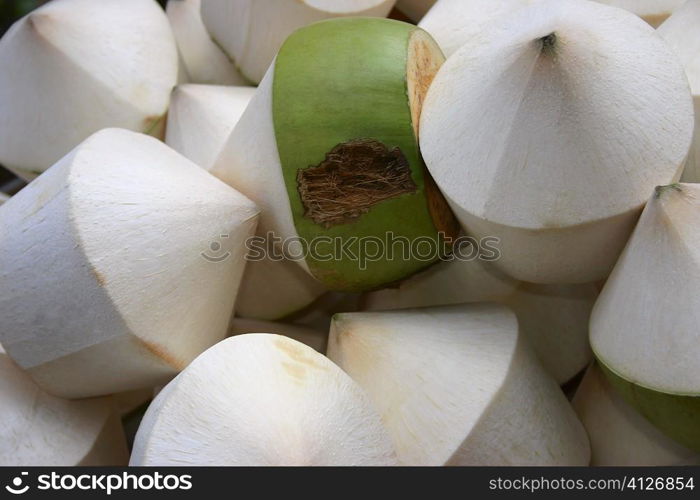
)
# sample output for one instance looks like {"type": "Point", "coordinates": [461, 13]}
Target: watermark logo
{"type": "Point", "coordinates": [16, 487]}
{"type": "Point", "coordinates": [106, 483]}
{"type": "Point", "coordinates": [361, 250]}
{"type": "Point", "coordinates": [216, 253]}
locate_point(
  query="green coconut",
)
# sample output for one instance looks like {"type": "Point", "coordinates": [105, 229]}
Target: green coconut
{"type": "Point", "coordinates": [340, 108]}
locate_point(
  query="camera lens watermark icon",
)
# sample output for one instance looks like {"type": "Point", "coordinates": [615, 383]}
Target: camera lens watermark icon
{"type": "Point", "coordinates": [16, 487]}
{"type": "Point", "coordinates": [215, 254]}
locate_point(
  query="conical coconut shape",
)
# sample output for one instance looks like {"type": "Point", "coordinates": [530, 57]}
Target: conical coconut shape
{"type": "Point", "coordinates": [645, 327]}
{"type": "Point", "coordinates": [335, 166]}
{"type": "Point", "coordinates": [262, 399]}
{"type": "Point", "coordinates": [682, 34]}
{"type": "Point", "coordinates": [252, 31]}
{"type": "Point", "coordinates": [316, 339]}
{"type": "Point", "coordinates": [42, 430]}
{"type": "Point", "coordinates": [74, 67]}
{"type": "Point", "coordinates": [550, 133]}
{"type": "Point", "coordinates": [654, 12]}
{"type": "Point", "coordinates": [453, 23]}
{"type": "Point", "coordinates": [204, 61]}
{"type": "Point", "coordinates": [555, 319]}
{"type": "Point", "coordinates": [458, 385]}
{"type": "Point", "coordinates": [453, 282]}
{"type": "Point", "coordinates": [106, 283]}
{"type": "Point", "coordinates": [201, 118]}
{"type": "Point", "coordinates": [619, 435]}
{"type": "Point", "coordinates": [415, 9]}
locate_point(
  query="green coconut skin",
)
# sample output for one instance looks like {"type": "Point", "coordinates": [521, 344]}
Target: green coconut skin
{"type": "Point", "coordinates": [676, 415]}
{"type": "Point", "coordinates": [337, 81]}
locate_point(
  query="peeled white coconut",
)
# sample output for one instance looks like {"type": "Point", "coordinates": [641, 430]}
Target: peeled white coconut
{"type": "Point", "coordinates": [654, 12]}
{"type": "Point", "coordinates": [415, 9]}
{"type": "Point", "coordinates": [619, 435]}
{"type": "Point", "coordinates": [42, 430]}
{"type": "Point", "coordinates": [262, 399]}
{"type": "Point", "coordinates": [454, 282]}
{"type": "Point", "coordinates": [106, 280]}
{"type": "Point", "coordinates": [316, 339]}
{"type": "Point", "coordinates": [681, 31]}
{"type": "Point", "coordinates": [555, 318]}
{"type": "Point", "coordinates": [201, 118]}
{"type": "Point", "coordinates": [271, 289]}
{"type": "Point", "coordinates": [204, 61]}
{"type": "Point", "coordinates": [549, 134]}
{"type": "Point", "coordinates": [73, 67]}
{"type": "Point", "coordinates": [645, 327]}
{"type": "Point", "coordinates": [458, 385]}
{"type": "Point", "coordinates": [453, 23]}
{"type": "Point", "coordinates": [252, 31]}
{"type": "Point", "coordinates": [245, 161]}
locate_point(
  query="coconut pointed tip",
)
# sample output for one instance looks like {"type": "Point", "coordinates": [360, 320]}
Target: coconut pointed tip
{"type": "Point", "coordinates": [661, 191]}
{"type": "Point", "coordinates": [38, 21]}
{"type": "Point", "coordinates": [549, 41]}
{"type": "Point", "coordinates": [338, 319]}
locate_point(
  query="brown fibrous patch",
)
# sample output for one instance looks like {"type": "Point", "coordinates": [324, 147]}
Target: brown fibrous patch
{"type": "Point", "coordinates": [354, 176]}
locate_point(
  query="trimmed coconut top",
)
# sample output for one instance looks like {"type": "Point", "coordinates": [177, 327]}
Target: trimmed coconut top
{"type": "Point", "coordinates": [201, 118]}
{"type": "Point", "coordinates": [682, 32]}
{"type": "Point", "coordinates": [440, 366]}
{"type": "Point", "coordinates": [130, 219]}
{"type": "Point", "coordinates": [205, 62]}
{"type": "Point", "coordinates": [40, 429]}
{"type": "Point", "coordinates": [644, 326]}
{"type": "Point", "coordinates": [188, 207]}
{"type": "Point", "coordinates": [560, 115]}
{"type": "Point", "coordinates": [73, 67]}
{"type": "Point", "coordinates": [89, 34]}
{"type": "Point", "coordinates": [261, 399]}
{"type": "Point", "coordinates": [455, 22]}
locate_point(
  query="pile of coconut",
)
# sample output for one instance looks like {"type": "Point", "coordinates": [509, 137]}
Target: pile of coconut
{"type": "Point", "coordinates": [312, 232]}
